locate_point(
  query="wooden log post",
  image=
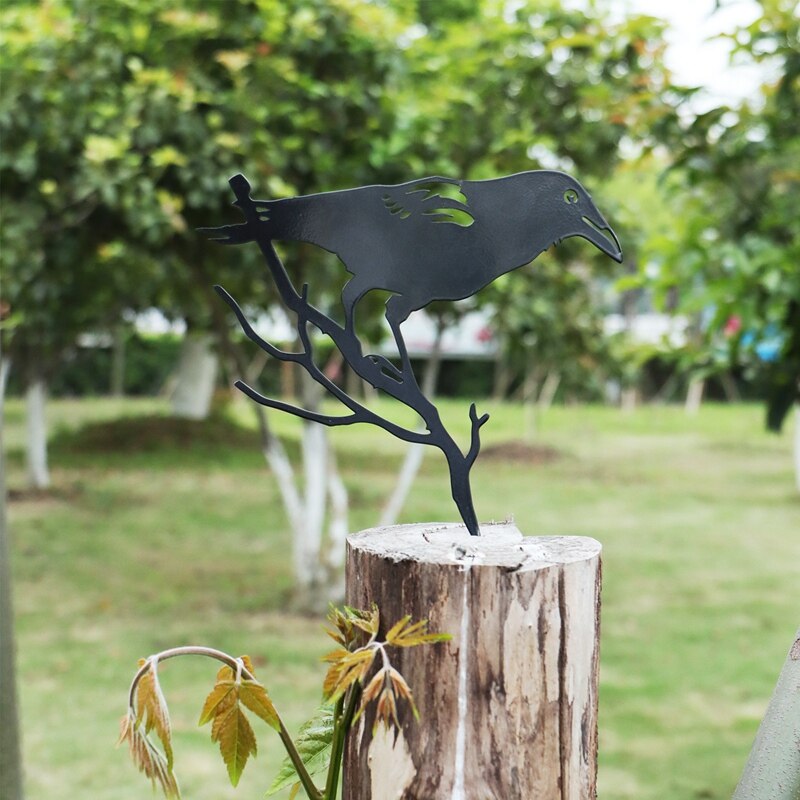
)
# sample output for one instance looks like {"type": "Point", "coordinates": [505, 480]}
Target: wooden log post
{"type": "Point", "coordinates": [508, 708]}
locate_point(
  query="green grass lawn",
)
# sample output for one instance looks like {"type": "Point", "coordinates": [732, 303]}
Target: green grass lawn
{"type": "Point", "coordinates": [141, 546]}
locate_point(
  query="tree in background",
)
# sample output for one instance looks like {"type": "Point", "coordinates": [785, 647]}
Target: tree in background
{"type": "Point", "coordinates": [736, 260]}
{"type": "Point", "coordinates": [121, 124]}
{"type": "Point", "coordinates": [496, 91]}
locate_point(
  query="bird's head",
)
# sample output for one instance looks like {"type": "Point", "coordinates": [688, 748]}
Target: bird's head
{"type": "Point", "coordinates": [567, 210]}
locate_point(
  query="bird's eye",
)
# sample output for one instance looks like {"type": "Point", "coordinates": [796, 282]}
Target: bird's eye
{"type": "Point", "coordinates": [571, 196]}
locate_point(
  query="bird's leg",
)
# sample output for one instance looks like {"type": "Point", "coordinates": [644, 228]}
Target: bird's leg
{"type": "Point", "coordinates": [406, 371]}
{"type": "Point", "coordinates": [351, 294]}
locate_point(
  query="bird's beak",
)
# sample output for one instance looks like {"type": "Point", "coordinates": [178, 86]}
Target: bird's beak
{"type": "Point", "coordinates": [599, 233]}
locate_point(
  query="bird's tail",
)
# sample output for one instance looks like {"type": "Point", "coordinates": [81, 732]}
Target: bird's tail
{"type": "Point", "coordinates": [230, 234]}
{"type": "Point", "coordinates": [255, 212]}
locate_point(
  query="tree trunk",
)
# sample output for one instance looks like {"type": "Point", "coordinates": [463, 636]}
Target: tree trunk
{"type": "Point", "coordinates": [694, 395]}
{"type": "Point", "coordinates": [5, 369]}
{"type": "Point", "coordinates": [529, 387]}
{"type": "Point", "coordinates": [10, 750]}
{"type": "Point", "coordinates": [308, 546]}
{"type": "Point", "coordinates": [339, 506]}
{"type": "Point", "coordinates": [508, 708]}
{"type": "Point", "coordinates": [773, 768]}
{"type": "Point", "coordinates": [415, 455]}
{"type": "Point", "coordinates": [197, 374]}
{"type": "Point", "coordinates": [732, 394]}
{"type": "Point", "coordinates": [288, 382]}
{"type": "Point", "coordinates": [797, 447]}
{"type": "Point", "coordinates": [548, 391]}
{"type": "Point", "coordinates": [35, 400]}
{"type": "Point", "coordinates": [629, 397]}
{"type": "Point", "coordinates": [118, 347]}
{"type": "Point", "coordinates": [502, 377]}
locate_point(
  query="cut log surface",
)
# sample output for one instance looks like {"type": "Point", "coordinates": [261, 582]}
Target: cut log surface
{"type": "Point", "coordinates": [508, 707]}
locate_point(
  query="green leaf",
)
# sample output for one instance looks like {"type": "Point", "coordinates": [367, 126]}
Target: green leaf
{"type": "Point", "coordinates": [314, 742]}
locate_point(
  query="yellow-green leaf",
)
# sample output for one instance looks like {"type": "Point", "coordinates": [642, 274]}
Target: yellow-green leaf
{"type": "Point", "coordinates": [237, 742]}
{"type": "Point", "coordinates": [404, 635]}
{"type": "Point", "coordinates": [336, 655]}
{"type": "Point", "coordinates": [221, 697]}
{"type": "Point", "coordinates": [395, 630]}
{"type": "Point", "coordinates": [151, 709]}
{"type": "Point", "coordinates": [255, 697]}
{"type": "Point", "coordinates": [147, 758]}
{"type": "Point", "coordinates": [344, 672]}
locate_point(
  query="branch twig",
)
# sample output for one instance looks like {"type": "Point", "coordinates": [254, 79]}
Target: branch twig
{"type": "Point", "coordinates": [475, 443]}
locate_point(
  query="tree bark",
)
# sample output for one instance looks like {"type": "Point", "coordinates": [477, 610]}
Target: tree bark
{"type": "Point", "coordinates": [773, 768]}
{"type": "Point", "coordinates": [197, 373]}
{"type": "Point", "coordinates": [5, 370]}
{"type": "Point", "coordinates": [502, 377]}
{"type": "Point", "coordinates": [337, 524]}
{"type": "Point", "coordinates": [694, 395]}
{"type": "Point", "coordinates": [118, 347]}
{"type": "Point", "coordinates": [797, 447]}
{"type": "Point", "coordinates": [548, 391]}
{"type": "Point", "coordinates": [508, 708]}
{"type": "Point", "coordinates": [10, 749]}
{"type": "Point", "coordinates": [629, 397]}
{"type": "Point", "coordinates": [530, 385]}
{"type": "Point", "coordinates": [308, 545]}
{"type": "Point", "coordinates": [35, 401]}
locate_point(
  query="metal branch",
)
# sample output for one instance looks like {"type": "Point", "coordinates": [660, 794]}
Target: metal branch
{"type": "Point", "coordinates": [477, 424]}
{"type": "Point", "coordinates": [275, 352]}
{"type": "Point", "coordinates": [325, 419]}
{"type": "Point", "coordinates": [305, 359]}
{"type": "Point", "coordinates": [360, 414]}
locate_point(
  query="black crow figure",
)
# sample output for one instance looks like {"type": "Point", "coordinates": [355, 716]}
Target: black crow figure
{"type": "Point", "coordinates": [434, 238]}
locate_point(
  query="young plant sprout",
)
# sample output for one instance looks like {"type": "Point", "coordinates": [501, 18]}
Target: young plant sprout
{"type": "Point", "coordinates": [356, 678]}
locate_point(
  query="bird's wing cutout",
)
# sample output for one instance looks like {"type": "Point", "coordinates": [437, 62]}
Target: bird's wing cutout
{"type": "Point", "coordinates": [438, 199]}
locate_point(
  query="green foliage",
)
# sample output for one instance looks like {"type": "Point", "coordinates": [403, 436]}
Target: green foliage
{"type": "Point", "coordinates": [121, 123]}
{"type": "Point", "coordinates": [314, 743]}
{"type": "Point", "coordinates": [732, 262]}
{"type": "Point", "coordinates": [542, 86]}
{"type": "Point", "coordinates": [548, 320]}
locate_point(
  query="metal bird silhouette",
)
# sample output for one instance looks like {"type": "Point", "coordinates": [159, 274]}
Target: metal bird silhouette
{"type": "Point", "coordinates": [430, 239]}
{"type": "Point", "coordinates": [435, 238]}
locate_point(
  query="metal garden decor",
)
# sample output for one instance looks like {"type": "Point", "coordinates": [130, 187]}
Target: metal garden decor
{"type": "Point", "coordinates": [429, 239]}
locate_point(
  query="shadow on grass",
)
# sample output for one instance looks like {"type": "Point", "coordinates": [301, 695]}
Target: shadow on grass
{"type": "Point", "coordinates": [154, 433]}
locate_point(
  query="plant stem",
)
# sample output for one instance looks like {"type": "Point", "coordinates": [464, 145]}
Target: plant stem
{"type": "Point", "coordinates": [340, 734]}
{"type": "Point", "coordinates": [302, 773]}
{"type": "Point", "coordinates": [333, 767]}
{"type": "Point", "coordinates": [240, 671]}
